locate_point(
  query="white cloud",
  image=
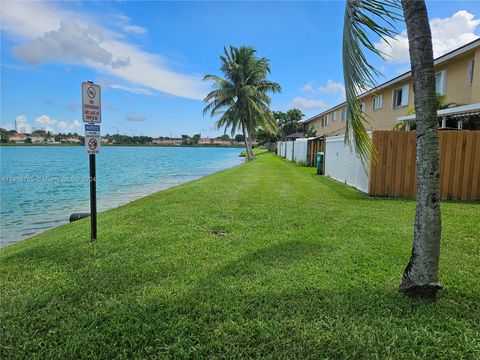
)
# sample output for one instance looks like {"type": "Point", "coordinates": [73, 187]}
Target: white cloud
{"type": "Point", "coordinates": [124, 23]}
{"type": "Point", "coordinates": [70, 43]}
{"type": "Point", "coordinates": [332, 87]}
{"type": "Point", "coordinates": [148, 70]}
{"type": "Point", "coordinates": [21, 124]}
{"type": "Point", "coordinates": [308, 88]}
{"type": "Point", "coordinates": [58, 38]}
{"type": "Point", "coordinates": [135, 29]}
{"type": "Point", "coordinates": [62, 125]}
{"type": "Point", "coordinates": [8, 127]}
{"type": "Point", "coordinates": [135, 117]}
{"type": "Point", "coordinates": [21, 120]}
{"type": "Point", "coordinates": [76, 124]}
{"type": "Point", "coordinates": [308, 104]}
{"type": "Point", "coordinates": [133, 90]}
{"type": "Point", "coordinates": [21, 18]}
{"type": "Point", "coordinates": [447, 35]}
{"type": "Point", "coordinates": [45, 120]}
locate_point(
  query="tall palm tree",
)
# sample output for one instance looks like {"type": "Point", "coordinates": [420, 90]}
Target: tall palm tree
{"type": "Point", "coordinates": [241, 96]}
{"type": "Point", "coordinates": [420, 277]}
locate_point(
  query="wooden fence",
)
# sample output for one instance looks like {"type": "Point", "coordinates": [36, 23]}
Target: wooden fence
{"type": "Point", "coordinates": [394, 172]}
{"type": "Point", "coordinates": [313, 147]}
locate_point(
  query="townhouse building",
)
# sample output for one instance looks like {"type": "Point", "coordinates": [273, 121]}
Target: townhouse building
{"type": "Point", "coordinates": [457, 76]}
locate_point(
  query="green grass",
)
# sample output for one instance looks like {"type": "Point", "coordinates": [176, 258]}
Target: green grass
{"type": "Point", "coordinates": [256, 151]}
{"type": "Point", "coordinates": [265, 260]}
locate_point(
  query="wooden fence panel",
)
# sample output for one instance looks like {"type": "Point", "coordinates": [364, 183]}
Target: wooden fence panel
{"type": "Point", "coordinates": [313, 147]}
{"type": "Point", "coordinates": [394, 172]}
{"type": "Point", "coordinates": [475, 192]}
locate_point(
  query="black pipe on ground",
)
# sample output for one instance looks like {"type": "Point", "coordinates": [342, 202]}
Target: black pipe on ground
{"type": "Point", "coordinates": [78, 216]}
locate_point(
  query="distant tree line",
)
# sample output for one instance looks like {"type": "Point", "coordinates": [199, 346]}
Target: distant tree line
{"type": "Point", "coordinates": [5, 136]}
{"type": "Point", "coordinates": [287, 123]}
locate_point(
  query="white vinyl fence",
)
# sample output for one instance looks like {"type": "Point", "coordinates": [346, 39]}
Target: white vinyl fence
{"type": "Point", "coordinates": [343, 164]}
{"type": "Point", "coordinates": [293, 150]}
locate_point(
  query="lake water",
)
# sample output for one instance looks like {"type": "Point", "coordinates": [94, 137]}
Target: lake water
{"type": "Point", "coordinates": [42, 185]}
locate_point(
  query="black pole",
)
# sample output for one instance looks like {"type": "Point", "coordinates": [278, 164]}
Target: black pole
{"type": "Point", "coordinates": [93, 198]}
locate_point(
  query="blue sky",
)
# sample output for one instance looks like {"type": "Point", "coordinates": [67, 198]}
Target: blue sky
{"type": "Point", "coordinates": [150, 57]}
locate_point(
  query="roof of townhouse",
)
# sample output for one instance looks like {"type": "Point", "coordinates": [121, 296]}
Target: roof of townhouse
{"type": "Point", "coordinates": [458, 111]}
{"type": "Point", "coordinates": [440, 60]}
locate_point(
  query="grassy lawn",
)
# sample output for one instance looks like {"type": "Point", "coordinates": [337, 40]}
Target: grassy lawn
{"type": "Point", "coordinates": [265, 260]}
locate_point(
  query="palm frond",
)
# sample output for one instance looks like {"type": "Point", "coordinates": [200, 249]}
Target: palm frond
{"type": "Point", "coordinates": [359, 74]}
{"type": "Point", "coordinates": [241, 97]}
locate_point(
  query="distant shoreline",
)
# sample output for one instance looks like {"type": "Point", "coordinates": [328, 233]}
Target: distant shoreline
{"type": "Point", "coordinates": [133, 145]}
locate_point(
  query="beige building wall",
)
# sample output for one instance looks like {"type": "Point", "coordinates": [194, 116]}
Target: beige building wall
{"type": "Point", "coordinates": [455, 87]}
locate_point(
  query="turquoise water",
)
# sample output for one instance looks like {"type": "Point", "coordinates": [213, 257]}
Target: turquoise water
{"type": "Point", "coordinates": [41, 186]}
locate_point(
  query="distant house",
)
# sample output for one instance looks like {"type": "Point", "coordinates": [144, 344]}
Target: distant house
{"type": "Point", "coordinates": [218, 141]}
{"type": "Point", "coordinates": [37, 139]}
{"type": "Point", "coordinates": [18, 138]}
{"type": "Point", "coordinates": [21, 138]}
{"type": "Point", "coordinates": [72, 140]}
{"type": "Point", "coordinates": [205, 141]}
{"type": "Point", "coordinates": [166, 141]}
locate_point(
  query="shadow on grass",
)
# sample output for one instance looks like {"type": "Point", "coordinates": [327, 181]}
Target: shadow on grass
{"type": "Point", "coordinates": [260, 305]}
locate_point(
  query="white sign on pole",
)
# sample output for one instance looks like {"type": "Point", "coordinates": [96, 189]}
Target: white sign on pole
{"type": "Point", "coordinates": [91, 103]}
{"type": "Point", "coordinates": [93, 139]}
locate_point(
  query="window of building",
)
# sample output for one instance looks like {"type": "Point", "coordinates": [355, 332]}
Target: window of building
{"type": "Point", "coordinates": [363, 107]}
{"type": "Point", "coordinates": [377, 102]}
{"type": "Point", "coordinates": [471, 65]}
{"type": "Point", "coordinates": [325, 121]}
{"type": "Point", "coordinates": [440, 82]}
{"type": "Point", "coordinates": [334, 116]}
{"type": "Point", "coordinates": [344, 114]}
{"type": "Point", "coordinates": [400, 97]}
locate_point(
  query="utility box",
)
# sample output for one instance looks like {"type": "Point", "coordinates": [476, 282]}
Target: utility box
{"type": "Point", "coordinates": [320, 157]}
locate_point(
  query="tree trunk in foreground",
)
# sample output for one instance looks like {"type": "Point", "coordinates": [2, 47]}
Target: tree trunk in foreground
{"type": "Point", "coordinates": [248, 145]}
{"type": "Point", "coordinates": [420, 277]}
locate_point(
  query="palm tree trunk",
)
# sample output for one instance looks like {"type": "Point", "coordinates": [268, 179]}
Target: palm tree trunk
{"type": "Point", "coordinates": [420, 277]}
{"type": "Point", "coordinates": [248, 146]}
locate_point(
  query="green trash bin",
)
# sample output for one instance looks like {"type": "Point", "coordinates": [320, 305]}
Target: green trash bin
{"type": "Point", "coordinates": [320, 157]}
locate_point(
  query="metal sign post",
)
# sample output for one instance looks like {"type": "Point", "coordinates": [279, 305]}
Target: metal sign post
{"type": "Point", "coordinates": [92, 115]}
{"type": "Point", "coordinates": [93, 198]}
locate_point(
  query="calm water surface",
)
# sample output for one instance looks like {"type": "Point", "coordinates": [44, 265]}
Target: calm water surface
{"type": "Point", "coordinates": [41, 186]}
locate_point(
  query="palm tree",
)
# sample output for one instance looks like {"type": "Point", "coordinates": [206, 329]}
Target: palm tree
{"type": "Point", "coordinates": [241, 96]}
{"type": "Point", "coordinates": [420, 277]}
